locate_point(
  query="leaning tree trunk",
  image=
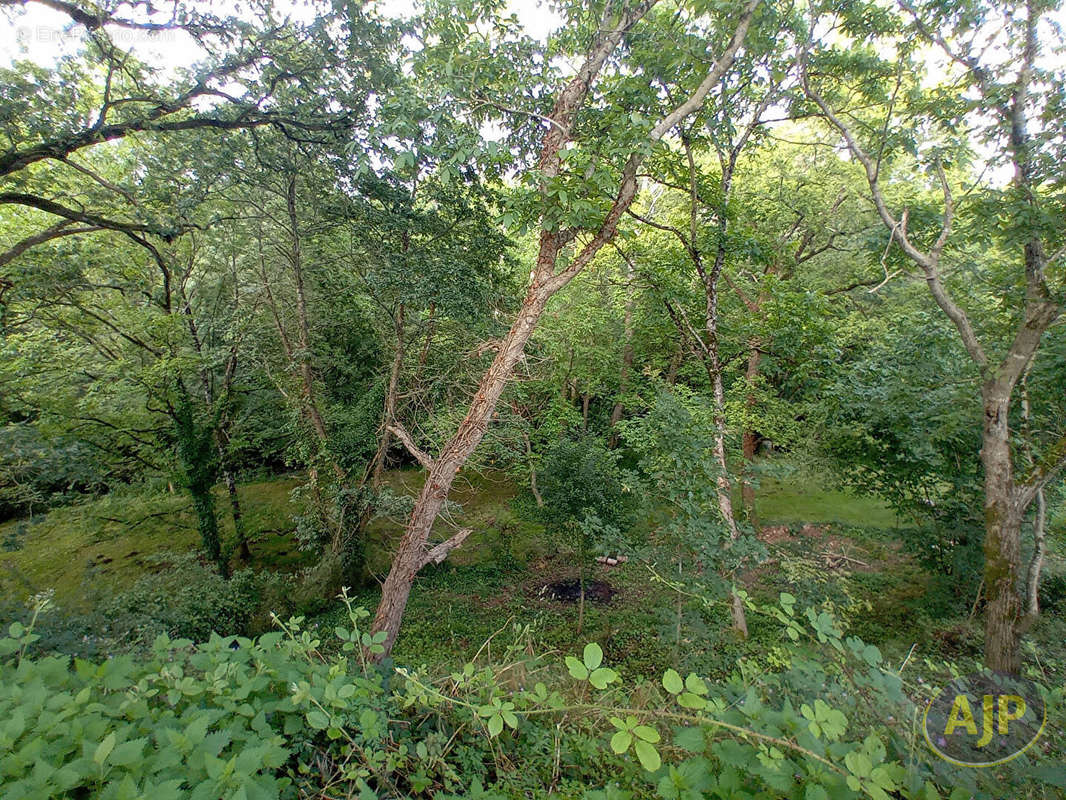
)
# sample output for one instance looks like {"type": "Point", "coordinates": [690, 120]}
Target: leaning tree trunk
{"type": "Point", "coordinates": [1002, 545]}
{"type": "Point", "coordinates": [412, 554]}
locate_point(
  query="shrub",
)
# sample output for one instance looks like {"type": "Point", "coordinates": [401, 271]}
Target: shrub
{"type": "Point", "coordinates": [821, 717]}
{"type": "Point", "coordinates": [581, 478]}
{"type": "Point", "coordinates": [187, 599]}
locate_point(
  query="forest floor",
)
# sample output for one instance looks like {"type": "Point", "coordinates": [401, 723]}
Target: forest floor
{"type": "Point", "coordinates": [822, 545]}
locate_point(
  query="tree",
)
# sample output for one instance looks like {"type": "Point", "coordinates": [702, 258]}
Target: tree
{"type": "Point", "coordinates": [1001, 98]}
{"type": "Point", "coordinates": [587, 498]}
{"type": "Point", "coordinates": [560, 223]}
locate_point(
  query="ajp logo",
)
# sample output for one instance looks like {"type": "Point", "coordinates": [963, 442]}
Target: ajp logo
{"type": "Point", "coordinates": [984, 719]}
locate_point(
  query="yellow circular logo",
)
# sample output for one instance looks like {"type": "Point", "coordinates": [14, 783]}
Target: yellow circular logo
{"type": "Point", "coordinates": [984, 719]}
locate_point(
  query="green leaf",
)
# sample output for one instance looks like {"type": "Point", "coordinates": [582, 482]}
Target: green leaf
{"type": "Point", "coordinates": [495, 725]}
{"type": "Point", "coordinates": [646, 733]}
{"type": "Point", "coordinates": [593, 656]}
{"type": "Point", "coordinates": [858, 763]}
{"type": "Point", "coordinates": [672, 682]}
{"type": "Point", "coordinates": [694, 683]}
{"type": "Point", "coordinates": [317, 720]}
{"type": "Point", "coordinates": [603, 676]}
{"type": "Point", "coordinates": [690, 700]}
{"type": "Point", "coordinates": [577, 669]}
{"type": "Point", "coordinates": [103, 750]}
{"type": "Point", "coordinates": [620, 741]}
{"type": "Point", "coordinates": [128, 752]}
{"type": "Point", "coordinates": [648, 755]}
{"type": "Point", "coordinates": [691, 739]}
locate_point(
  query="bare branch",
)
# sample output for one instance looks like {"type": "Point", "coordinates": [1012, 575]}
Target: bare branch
{"type": "Point", "coordinates": [438, 553]}
{"type": "Point", "coordinates": [422, 456]}
{"type": "Point", "coordinates": [929, 262]}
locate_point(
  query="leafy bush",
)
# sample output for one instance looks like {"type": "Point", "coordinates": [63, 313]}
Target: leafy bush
{"type": "Point", "coordinates": [188, 600]}
{"type": "Point", "coordinates": [820, 717]}
{"type": "Point", "coordinates": [39, 472]}
{"type": "Point", "coordinates": [183, 598]}
{"type": "Point", "coordinates": [588, 500]}
{"type": "Point", "coordinates": [581, 478]}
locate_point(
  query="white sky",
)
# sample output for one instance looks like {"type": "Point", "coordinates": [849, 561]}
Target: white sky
{"type": "Point", "coordinates": [42, 34]}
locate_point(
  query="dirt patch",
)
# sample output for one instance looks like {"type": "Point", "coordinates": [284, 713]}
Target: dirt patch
{"type": "Point", "coordinates": [569, 591]}
{"type": "Point", "coordinates": [772, 534]}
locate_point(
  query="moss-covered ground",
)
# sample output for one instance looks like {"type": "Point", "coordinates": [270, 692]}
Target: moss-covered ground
{"type": "Point", "coordinates": [822, 544]}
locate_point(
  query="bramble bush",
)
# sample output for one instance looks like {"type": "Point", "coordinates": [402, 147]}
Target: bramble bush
{"type": "Point", "coordinates": [273, 717]}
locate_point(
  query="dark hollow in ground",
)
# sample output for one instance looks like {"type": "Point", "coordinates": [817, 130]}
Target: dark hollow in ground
{"type": "Point", "coordinates": [569, 591]}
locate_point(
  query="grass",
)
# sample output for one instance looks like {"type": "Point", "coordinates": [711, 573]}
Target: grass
{"type": "Point", "coordinates": [803, 498]}
{"type": "Point", "coordinates": [493, 582]}
{"type": "Point", "coordinates": [103, 546]}
{"type": "Point", "coordinates": [482, 502]}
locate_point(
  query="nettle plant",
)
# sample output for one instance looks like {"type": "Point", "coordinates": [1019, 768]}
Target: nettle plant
{"type": "Point", "coordinates": [285, 715]}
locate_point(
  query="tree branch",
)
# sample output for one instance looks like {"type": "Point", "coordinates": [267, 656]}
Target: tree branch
{"type": "Point", "coordinates": [400, 433]}
{"type": "Point", "coordinates": [57, 231]}
{"type": "Point", "coordinates": [73, 215]}
{"type": "Point", "coordinates": [929, 262]}
{"type": "Point", "coordinates": [438, 553]}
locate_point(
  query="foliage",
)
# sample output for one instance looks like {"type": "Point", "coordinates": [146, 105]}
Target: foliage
{"type": "Point", "coordinates": [581, 479]}
{"type": "Point", "coordinates": [37, 473]}
{"type": "Point", "coordinates": [674, 445]}
{"type": "Point", "coordinates": [267, 717]}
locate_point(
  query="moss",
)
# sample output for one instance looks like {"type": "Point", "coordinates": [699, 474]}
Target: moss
{"type": "Point", "coordinates": [92, 550]}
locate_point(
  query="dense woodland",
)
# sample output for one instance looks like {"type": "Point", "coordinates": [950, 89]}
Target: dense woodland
{"type": "Point", "coordinates": [397, 403]}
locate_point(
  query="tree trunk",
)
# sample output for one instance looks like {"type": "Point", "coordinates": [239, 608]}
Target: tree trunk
{"type": "Point", "coordinates": [627, 358]}
{"type": "Point", "coordinates": [740, 622]}
{"type": "Point", "coordinates": [240, 534]}
{"type": "Point", "coordinates": [1032, 577]}
{"type": "Point", "coordinates": [749, 437]}
{"type": "Point", "coordinates": [532, 471]}
{"type": "Point", "coordinates": [207, 522]}
{"type": "Point", "coordinates": [581, 604]}
{"type": "Point", "coordinates": [388, 415]}
{"type": "Point", "coordinates": [411, 554]}
{"type": "Point", "coordinates": [584, 412]}
{"type": "Point", "coordinates": [713, 361]}
{"type": "Point", "coordinates": [196, 453]}
{"type": "Point", "coordinates": [1002, 545]}
{"type": "Point", "coordinates": [675, 364]}
{"type": "Point", "coordinates": [303, 329]}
